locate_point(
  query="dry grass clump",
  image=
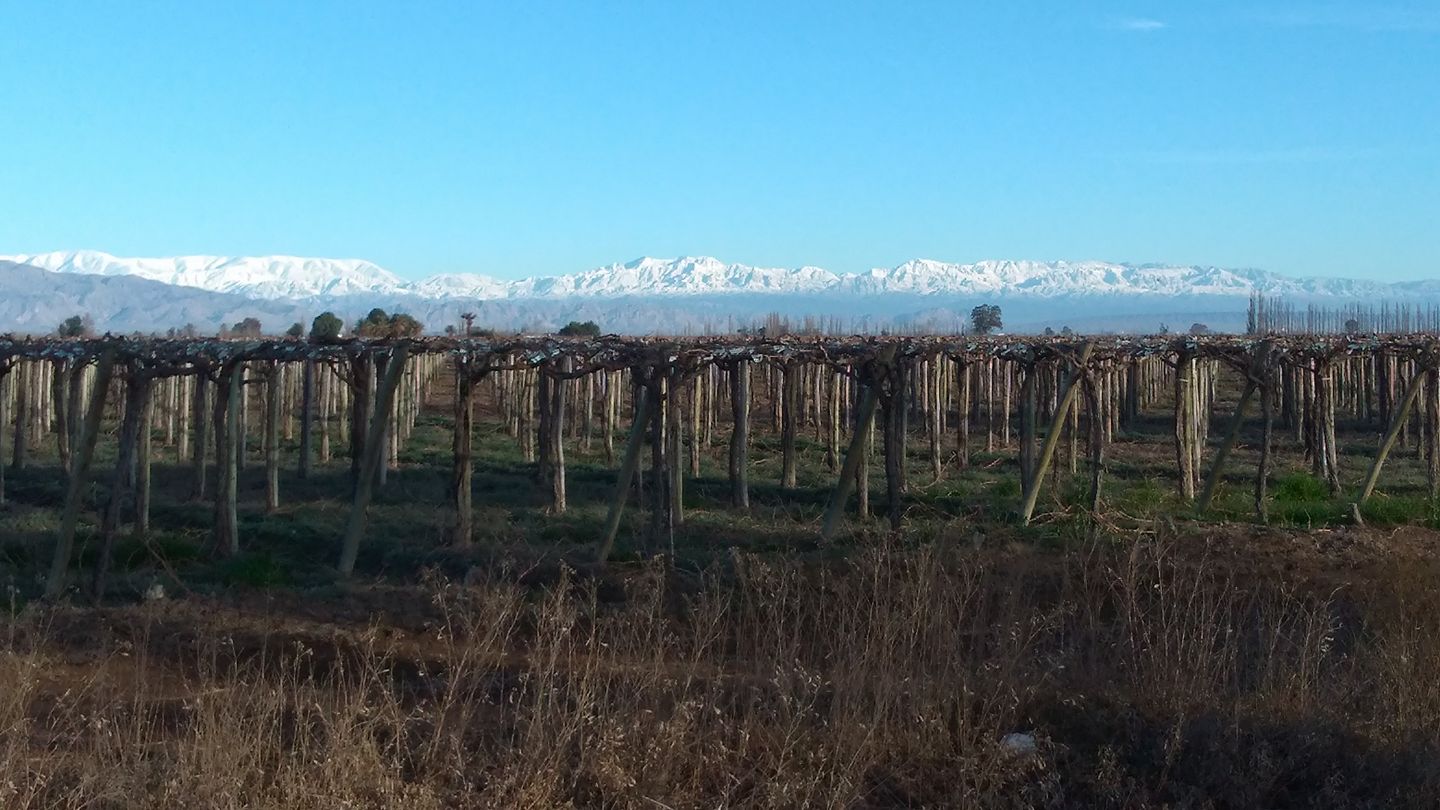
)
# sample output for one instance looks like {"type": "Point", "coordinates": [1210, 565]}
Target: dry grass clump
{"type": "Point", "coordinates": [888, 680]}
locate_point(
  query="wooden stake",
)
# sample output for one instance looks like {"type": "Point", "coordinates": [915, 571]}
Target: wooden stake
{"type": "Point", "coordinates": [855, 453]}
{"type": "Point", "coordinates": [1398, 419]}
{"type": "Point", "coordinates": [629, 463]}
{"type": "Point", "coordinates": [1231, 437]}
{"type": "Point", "coordinates": [740, 435]}
{"type": "Point", "coordinates": [273, 381]}
{"type": "Point", "coordinates": [374, 455]}
{"type": "Point", "coordinates": [80, 470]}
{"type": "Point", "coordinates": [1047, 450]}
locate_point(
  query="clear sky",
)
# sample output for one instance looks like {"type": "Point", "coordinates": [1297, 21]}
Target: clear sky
{"type": "Point", "coordinates": [536, 138]}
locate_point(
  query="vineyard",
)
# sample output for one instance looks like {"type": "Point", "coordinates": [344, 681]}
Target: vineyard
{"type": "Point", "coordinates": [822, 571]}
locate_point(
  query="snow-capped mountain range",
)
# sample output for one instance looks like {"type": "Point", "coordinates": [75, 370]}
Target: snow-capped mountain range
{"type": "Point", "coordinates": [654, 295]}
{"type": "Point", "coordinates": [289, 277]}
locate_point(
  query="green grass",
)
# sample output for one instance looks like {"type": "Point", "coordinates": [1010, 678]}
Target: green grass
{"type": "Point", "coordinates": [409, 519]}
{"type": "Point", "coordinates": [1299, 487]}
{"type": "Point", "coordinates": [255, 570]}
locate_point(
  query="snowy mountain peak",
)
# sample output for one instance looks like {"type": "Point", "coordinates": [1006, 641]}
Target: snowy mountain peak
{"type": "Point", "coordinates": [267, 277]}
{"type": "Point", "coordinates": [294, 278]}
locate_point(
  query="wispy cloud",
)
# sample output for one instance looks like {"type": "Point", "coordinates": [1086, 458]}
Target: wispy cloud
{"type": "Point", "coordinates": [1369, 18]}
{"type": "Point", "coordinates": [1137, 24]}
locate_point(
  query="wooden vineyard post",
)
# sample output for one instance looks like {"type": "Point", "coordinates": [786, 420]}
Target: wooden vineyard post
{"type": "Point", "coordinates": [789, 419]}
{"type": "Point", "coordinates": [832, 433]}
{"type": "Point", "coordinates": [1027, 426]}
{"type": "Point", "coordinates": [462, 472]}
{"type": "Point", "coordinates": [610, 413]}
{"type": "Point", "coordinates": [892, 409]}
{"type": "Point", "coordinates": [1008, 376]}
{"type": "Point", "coordinates": [1223, 453]}
{"type": "Point", "coordinates": [962, 413]}
{"type": "Point", "coordinates": [558, 388]}
{"type": "Point", "coordinates": [1432, 435]}
{"type": "Point", "coordinates": [1096, 424]}
{"type": "Point", "coordinates": [242, 416]}
{"type": "Point", "coordinates": [1262, 471]}
{"type": "Point", "coordinates": [226, 533]}
{"type": "Point", "coordinates": [24, 376]}
{"type": "Point", "coordinates": [935, 419]}
{"type": "Point", "coordinates": [862, 470]}
{"type": "Point", "coordinates": [1325, 423]}
{"type": "Point", "coordinates": [75, 395]}
{"type": "Point", "coordinates": [1131, 411]}
{"type": "Point", "coordinates": [698, 392]}
{"type": "Point", "coordinates": [1257, 376]}
{"type": "Point", "coordinates": [79, 471]}
{"type": "Point", "coordinates": [988, 391]}
{"type": "Point", "coordinates": [142, 473]}
{"type": "Point", "coordinates": [1047, 449]}
{"type": "Point", "coordinates": [373, 457]}
{"type": "Point", "coordinates": [588, 428]}
{"type": "Point", "coordinates": [199, 412]}
{"type": "Point", "coordinates": [1185, 417]}
{"type": "Point", "coordinates": [1397, 419]}
{"type": "Point", "coordinates": [661, 520]}
{"type": "Point", "coordinates": [325, 382]}
{"type": "Point", "coordinates": [359, 388]}
{"type": "Point", "coordinates": [674, 453]}
{"type": "Point", "coordinates": [60, 396]}
{"type": "Point", "coordinates": [387, 428]}
{"type": "Point", "coordinates": [900, 392]}
{"type": "Point", "coordinates": [6, 365]}
{"type": "Point", "coordinates": [739, 462]}
{"type": "Point", "coordinates": [544, 414]}
{"type": "Point", "coordinates": [550, 443]}
{"type": "Point", "coordinates": [273, 381]}
{"type": "Point", "coordinates": [855, 453]}
{"type": "Point", "coordinates": [182, 418]}
{"type": "Point", "coordinates": [307, 418]}
{"type": "Point", "coordinates": [137, 401]}
{"type": "Point", "coordinates": [629, 465]}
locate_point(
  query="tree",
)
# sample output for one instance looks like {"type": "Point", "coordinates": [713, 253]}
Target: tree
{"type": "Point", "coordinates": [471, 330]}
{"type": "Point", "coordinates": [1049, 331]}
{"type": "Point", "coordinates": [326, 327]}
{"type": "Point", "coordinates": [1352, 326]}
{"type": "Point", "coordinates": [76, 326]}
{"type": "Point", "coordinates": [295, 330]}
{"type": "Point", "coordinates": [248, 328]}
{"type": "Point", "coordinates": [1198, 328]}
{"type": "Point", "coordinates": [402, 325]}
{"type": "Point", "coordinates": [375, 324]}
{"type": "Point", "coordinates": [578, 329]}
{"type": "Point", "coordinates": [378, 324]}
{"type": "Point", "coordinates": [985, 319]}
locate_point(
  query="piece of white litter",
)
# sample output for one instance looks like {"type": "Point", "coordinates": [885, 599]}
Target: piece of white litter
{"type": "Point", "coordinates": [1017, 743]}
{"type": "Point", "coordinates": [155, 592]}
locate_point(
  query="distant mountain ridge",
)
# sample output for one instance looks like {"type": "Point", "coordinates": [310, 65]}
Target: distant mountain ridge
{"type": "Point", "coordinates": [268, 277]}
{"type": "Point", "coordinates": [654, 296]}
{"type": "Point", "coordinates": [289, 277]}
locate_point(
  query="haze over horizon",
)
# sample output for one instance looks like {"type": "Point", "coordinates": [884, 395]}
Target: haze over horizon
{"type": "Point", "coordinates": [555, 138]}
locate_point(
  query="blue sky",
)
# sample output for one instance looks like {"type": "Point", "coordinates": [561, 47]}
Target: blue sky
{"type": "Point", "coordinates": [537, 138]}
